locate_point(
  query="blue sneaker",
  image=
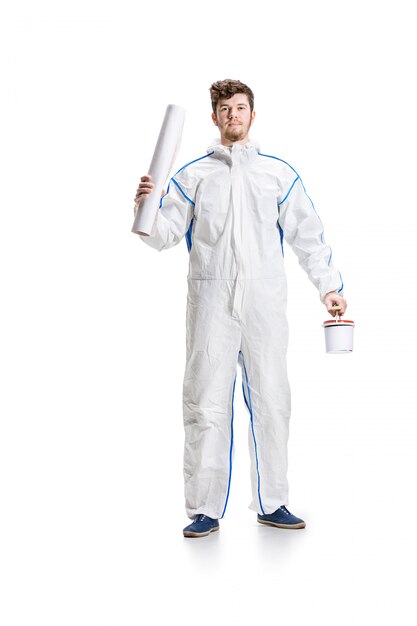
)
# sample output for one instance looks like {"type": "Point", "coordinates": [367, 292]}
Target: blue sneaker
{"type": "Point", "coordinates": [281, 518]}
{"type": "Point", "coordinates": [201, 526]}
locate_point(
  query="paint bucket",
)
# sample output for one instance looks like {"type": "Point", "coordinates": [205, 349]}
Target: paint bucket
{"type": "Point", "coordinates": [338, 335]}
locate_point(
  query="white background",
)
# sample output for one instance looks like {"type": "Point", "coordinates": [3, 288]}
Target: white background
{"type": "Point", "coordinates": [93, 321]}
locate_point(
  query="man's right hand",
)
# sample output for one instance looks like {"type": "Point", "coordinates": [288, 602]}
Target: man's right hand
{"type": "Point", "coordinates": [146, 186]}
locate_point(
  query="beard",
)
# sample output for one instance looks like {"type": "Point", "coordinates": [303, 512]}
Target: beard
{"type": "Point", "coordinates": [236, 133]}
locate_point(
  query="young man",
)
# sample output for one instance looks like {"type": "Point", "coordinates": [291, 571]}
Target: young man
{"type": "Point", "coordinates": [235, 205]}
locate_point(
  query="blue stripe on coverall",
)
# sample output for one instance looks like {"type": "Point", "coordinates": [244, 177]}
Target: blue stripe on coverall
{"type": "Point", "coordinates": [188, 235]}
{"type": "Point", "coordinates": [230, 452]}
{"type": "Point", "coordinates": [253, 432]}
{"type": "Point", "coordinates": [312, 204]}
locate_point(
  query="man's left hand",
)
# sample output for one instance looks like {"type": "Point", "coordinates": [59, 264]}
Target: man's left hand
{"type": "Point", "coordinates": [334, 299]}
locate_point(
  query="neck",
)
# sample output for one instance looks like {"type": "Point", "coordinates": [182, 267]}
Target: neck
{"type": "Point", "coordinates": [229, 144]}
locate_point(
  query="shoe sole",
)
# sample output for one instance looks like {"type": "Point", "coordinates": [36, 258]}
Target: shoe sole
{"type": "Point", "coordinates": [190, 533]}
{"type": "Point", "coordinates": [290, 526]}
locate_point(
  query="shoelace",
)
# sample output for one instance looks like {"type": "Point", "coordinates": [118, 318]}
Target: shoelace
{"type": "Point", "coordinates": [286, 511]}
{"type": "Point", "coordinates": [200, 518]}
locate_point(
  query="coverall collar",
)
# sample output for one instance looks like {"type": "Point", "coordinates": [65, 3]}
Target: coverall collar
{"type": "Point", "coordinates": [238, 153]}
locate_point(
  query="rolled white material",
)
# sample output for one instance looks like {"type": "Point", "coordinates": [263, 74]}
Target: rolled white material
{"type": "Point", "coordinates": [338, 335]}
{"type": "Point", "coordinates": [166, 149]}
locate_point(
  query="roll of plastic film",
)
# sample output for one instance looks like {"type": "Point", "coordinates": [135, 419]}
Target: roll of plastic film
{"type": "Point", "coordinates": [166, 149]}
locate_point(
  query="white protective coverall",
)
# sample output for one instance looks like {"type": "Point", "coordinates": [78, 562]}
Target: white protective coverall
{"type": "Point", "coordinates": [235, 205]}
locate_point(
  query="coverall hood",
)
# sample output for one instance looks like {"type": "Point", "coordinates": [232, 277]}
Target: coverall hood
{"type": "Point", "coordinates": [247, 151]}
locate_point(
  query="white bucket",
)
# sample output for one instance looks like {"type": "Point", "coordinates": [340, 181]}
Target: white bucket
{"type": "Point", "coordinates": [338, 335]}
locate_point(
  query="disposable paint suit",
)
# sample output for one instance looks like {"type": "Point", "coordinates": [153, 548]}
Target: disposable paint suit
{"type": "Point", "coordinates": [235, 206]}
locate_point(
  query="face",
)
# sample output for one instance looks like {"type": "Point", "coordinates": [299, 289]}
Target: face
{"type": "Point", "coordinates": [233, 119]}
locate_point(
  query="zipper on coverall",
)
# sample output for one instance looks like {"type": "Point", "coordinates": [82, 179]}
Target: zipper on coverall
{"type": "Point", "coordinates": [237, 236]}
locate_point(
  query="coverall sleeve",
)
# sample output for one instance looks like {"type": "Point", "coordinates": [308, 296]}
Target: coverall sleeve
{"type": "Point", "coordinates": [173, 219]}
{"type": "Point", "coordinates": [303, 230]}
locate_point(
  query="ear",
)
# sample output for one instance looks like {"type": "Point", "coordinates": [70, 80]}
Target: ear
{"type": "Point", "coordinates": [213, 117]}
{"type": "Point", "coordinates": [253, 117]}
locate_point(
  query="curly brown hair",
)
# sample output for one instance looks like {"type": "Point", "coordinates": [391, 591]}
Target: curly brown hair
{"type": "Point", "coordinates": [225, 89]}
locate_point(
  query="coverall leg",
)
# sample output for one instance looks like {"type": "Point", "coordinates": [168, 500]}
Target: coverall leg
{"type": "Point", "coordinates": [256, 337]}
{"type": "Point", "coordinates": [266, 390]}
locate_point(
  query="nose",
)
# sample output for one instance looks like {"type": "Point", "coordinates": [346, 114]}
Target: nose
{"type": "Point", "coordinates": [232, 113]}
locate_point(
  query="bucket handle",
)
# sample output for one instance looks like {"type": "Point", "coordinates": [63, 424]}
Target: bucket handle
{"type": "Point", "coordinates": [336, 308]}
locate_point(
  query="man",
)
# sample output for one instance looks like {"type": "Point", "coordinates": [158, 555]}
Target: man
{"type": "Point", "coordinates": [235, 205]}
